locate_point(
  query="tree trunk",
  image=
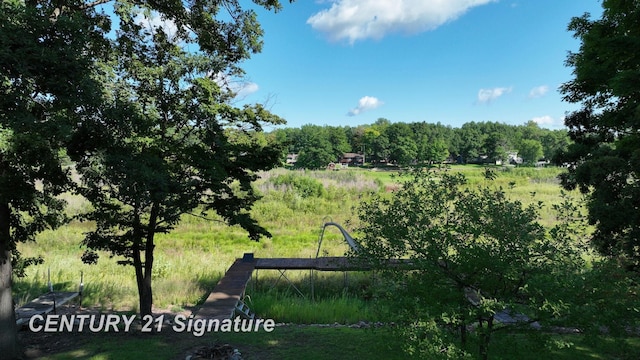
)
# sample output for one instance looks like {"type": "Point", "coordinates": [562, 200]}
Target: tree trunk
{"type": "Point", "coordinates": [485, 338]}
{"type": "Point", "coordinates": [137, 261]}
{"type": "Point", "coordinates": [144, 270]}
{"type": "Point", "coordinates": [9, 347]}
{"type": "Point", "coordinates": [137, 265]}
{"type": "Point", "coordinates": [147, 295]}
{"type": "Point", "coordinates": [463, 332]}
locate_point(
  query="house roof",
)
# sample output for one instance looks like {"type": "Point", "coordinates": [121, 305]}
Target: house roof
{"type": "Point", "coordinates": [351, 155]}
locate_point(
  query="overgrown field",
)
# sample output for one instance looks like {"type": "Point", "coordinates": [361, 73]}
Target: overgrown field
{"type": "Point", "coordinates": [295, 204]}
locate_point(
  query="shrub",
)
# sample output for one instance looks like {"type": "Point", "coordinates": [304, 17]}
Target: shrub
{"type": "Point", "coordinates": [302, 185]}
{"type": "Point", "coordinates": [475, 254]}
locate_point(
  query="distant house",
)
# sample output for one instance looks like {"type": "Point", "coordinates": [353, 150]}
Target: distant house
{"type": "Point", "coordinates": [352, 159]}
{"type": "Point", "coordinates": [513, 158]}
{"type": "Point", "coordinates": [292, 158]}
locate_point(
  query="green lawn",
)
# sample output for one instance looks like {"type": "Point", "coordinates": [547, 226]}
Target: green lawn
{"type": "Point", "coordinates": [312, 342]}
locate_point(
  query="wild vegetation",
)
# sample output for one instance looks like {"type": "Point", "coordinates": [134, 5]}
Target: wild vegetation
{"type": "Point", "coordinates": [481, 260]}
{"type": "Point", "coordinates": [156, 144]}
{"type": "Point", "coordinates": [191, 259]}
{"type": "Point", "coordinates": [201, 249]}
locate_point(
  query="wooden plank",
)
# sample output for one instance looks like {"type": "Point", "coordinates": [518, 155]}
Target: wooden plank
{"type": "Point", "coordinates": [321, 264]}
{"type": "Point", "coordinates": [224, 297]}
{"type": "Point", "coordinates": [43, 305]}
{"type": "Point", "coordinates": [222, 301]}
{"type": "Point", "coordinates": [285, 263]}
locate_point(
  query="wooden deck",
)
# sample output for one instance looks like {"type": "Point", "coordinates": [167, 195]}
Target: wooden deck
{"type": "Point", "coordinates": [320, 264]}
{"type": "Point", "coordinates": [43, 305]}
{"type": "Point", "coordinates": [324, 264]}
{"type": "Point", "coordinates": [222, 301]}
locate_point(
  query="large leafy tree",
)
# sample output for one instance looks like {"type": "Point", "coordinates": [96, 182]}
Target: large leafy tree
{"type": "Point", "coordinates": [316, 148]}
{"type": "Point", "coordinates": [168, 141]}
{"type": "Point", "coordinates": [530, 151]}
{"type": "Point", "coordinates": [496, 147]}
{"type": "Point", "coordinates": [46, 55]}
{"type": "Point", "coordinates": [605, 159]}
{"type": "Point", "coordinates": [554, 143]}
{"type": "Point", "coordinates": [46, 52]}
{"type": "Point", "coordinates": [436, 151]}
{"type": "Point", "coordinates": [338, 139]}
{"type": "Point", "coordinates": [402, 146]}
{"type": "Point", "coordinates": [376, 144]}
{"type": "Point", "coordinates": [476, 256]}
{"type": "Point", "coordinates": [471, 139]}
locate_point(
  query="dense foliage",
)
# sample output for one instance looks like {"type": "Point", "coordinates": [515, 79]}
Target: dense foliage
{"type": "Point", "coordinates": [606, 155]}
{"type": "Point", "coordinates": [423, 143]}
{"type": "Point", "coordinates": [137, 113]}
{"type": "Point", "coordinates": [479, 260]}
{"type": "Point", "coordinates": [46, 87]}
{"type": "Point", "coordinates": [167, 140]}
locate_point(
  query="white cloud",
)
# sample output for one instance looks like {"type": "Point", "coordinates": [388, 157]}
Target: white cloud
{"type": "Point", "coordinates": [156, 21]}
{"type": "Point", "coordinates": [547, 121]}
{"type": "Point", "coordinates": [543, 120]}
{"type": "Point", "coordinates": [361, 19]}
{"type": "Point", "coordinates": [364, 104]}
{"type": "Point", "coordinates": [488, 95]}
{"type": "Point", "coordinates": [246, 89]}
{"type": "Point", "coordinates": [240, 87]}
{"type": "Point", "coordinates": [538, 91]}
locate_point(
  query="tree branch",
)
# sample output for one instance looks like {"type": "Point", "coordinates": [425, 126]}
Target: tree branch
{"type": "Point", "coordinates": [93, 4]}
{"type": "Point", "coordinates": [206, 218]}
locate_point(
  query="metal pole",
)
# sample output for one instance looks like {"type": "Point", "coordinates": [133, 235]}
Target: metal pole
{"type": "Point", "coordinates": [81, 289]}
{"type": "Point", "coordinates": [53, 295]}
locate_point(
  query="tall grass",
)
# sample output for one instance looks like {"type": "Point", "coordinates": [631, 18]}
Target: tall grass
{"type": "Point", "coordinates": [193, 257]}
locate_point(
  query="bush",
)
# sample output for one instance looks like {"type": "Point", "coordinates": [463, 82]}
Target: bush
{"type": "Point", "coordinates": [302, 185]}
{"type": "Point", "coordinates": [475, 254]}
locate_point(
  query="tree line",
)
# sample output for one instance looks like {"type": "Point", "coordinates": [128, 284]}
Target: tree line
{"type": "Point", "coordinates": [420, 142]}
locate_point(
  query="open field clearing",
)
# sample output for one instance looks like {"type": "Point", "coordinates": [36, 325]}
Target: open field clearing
{"type": "Point", "coordinates": [192, 258]}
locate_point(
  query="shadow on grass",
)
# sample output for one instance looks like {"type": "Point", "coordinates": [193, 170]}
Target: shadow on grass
{"type": "Point", "coordinates": [283, 343]}
{"type": "Point", "coordinates": [315, 343]}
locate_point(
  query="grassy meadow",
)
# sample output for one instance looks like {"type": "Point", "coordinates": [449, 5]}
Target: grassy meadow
{"type": "Point", "coordinates": [295, 204]}
{"type": "Point", "coordinates": [191, 259]}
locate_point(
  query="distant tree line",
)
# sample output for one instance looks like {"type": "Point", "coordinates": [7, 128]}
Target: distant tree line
{"type": "Point", "coordinates": [422, 143]}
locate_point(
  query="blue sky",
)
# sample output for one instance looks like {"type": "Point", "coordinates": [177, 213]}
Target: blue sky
{"type": "Point", "coordinates": [350, 62]}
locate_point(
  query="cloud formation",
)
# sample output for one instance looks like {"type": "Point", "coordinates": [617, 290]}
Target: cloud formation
{"type": "Point", "coordinates": [240, 87]}
{"type": "Point", "coordinates": [157, 22]}
{"type": "Point", "coordinates": [538, 91]}
{"type": "Point", "coordinates": [245, 89]}
{"type": "Point", "coordinates": [364, 104]}
{"type": "Point", "coordinates": [543, 120]}
{"type": "Point", "coordinates": [548, 121]}
{"type": "Point", "coordinates": [486, 96]}
{"type": "Point", "coordinates": [355, 20]}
